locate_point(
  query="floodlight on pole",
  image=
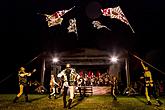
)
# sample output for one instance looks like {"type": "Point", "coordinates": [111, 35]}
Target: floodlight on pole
{"type": "Point", "coordinates": [55, 60]}
{"type": "Point", "coordinates": [114, 59]}
{"type": "Point", "coordinates": [54, 65]}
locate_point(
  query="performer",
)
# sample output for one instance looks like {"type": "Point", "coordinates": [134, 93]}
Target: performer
{"type": "Point", "coordinates": [70, 76]}
{"type": "Point", "coordinates": [79, 84]}
{"type": "Point", "coordinates": [23, 83]}
{"type": "Point", "coordinates": [60, 87]}
{"type": "Point", "coordinates": [149, 85]}
{"type": "Point", "coordinates": [53, 85]}
{"type": "Point", "coordinates": [114, 87]}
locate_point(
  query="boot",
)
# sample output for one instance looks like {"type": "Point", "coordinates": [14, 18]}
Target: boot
{"type": "Point", "coordinates": [149, 103]}
{"type": "Point", "coordinates": [15, 100]}
{"type": "Point", "coordinates": [115, 99]}
{"type": "Point", "coordinates": [26, 99]}
{"type": "Point", "coordinates": [49, 96]}
{"type": "Point", "coordinates": [160, 103]}
{"type": "Point", "coordinates": [69, 103]}
{"type": "Point", "coordinates": [55, 97]}
{"type": "Point", "coordinates": [64, 104]}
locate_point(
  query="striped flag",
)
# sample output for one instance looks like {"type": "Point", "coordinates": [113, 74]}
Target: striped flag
{"type": "Point", "coordinates": [115, 12]}
{"type": "Point", "coordinates": [56, 18]}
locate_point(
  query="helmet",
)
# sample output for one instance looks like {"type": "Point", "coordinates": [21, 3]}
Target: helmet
{"type": "Point", "coordinates": [52, 75]}
{"type": "Point", "coordinates": [68, 65]}
{"type": "Point", "coordinates": [22, 68]}
{"type": "Point", "coordinates": [146, 68]}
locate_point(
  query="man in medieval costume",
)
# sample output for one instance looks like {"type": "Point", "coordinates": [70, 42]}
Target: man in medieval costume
{"type": "Point", "coordinates": [23, 84]}
{"type": "Point", "coordinates": [149, 85]}
{"type": "Point", "coordinates": [70, 77]}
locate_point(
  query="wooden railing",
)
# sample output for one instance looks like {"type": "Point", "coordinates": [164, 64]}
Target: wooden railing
{"type": "Point", "coordinates": [85, 90]}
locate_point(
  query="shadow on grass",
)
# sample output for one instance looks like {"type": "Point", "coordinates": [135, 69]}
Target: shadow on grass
{"type": "Point", "coordinates": [115, 103]}
{"type": "Point", "coordinates": [140, 99]}
{"type": "Point", "coordinates": [58, 96]}
{"type": "Point", "coordinates": [77, 101]}
{"type": "Point", "coordinates": [37, 98]}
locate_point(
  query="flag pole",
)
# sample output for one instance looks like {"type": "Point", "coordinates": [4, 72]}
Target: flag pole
{"type": "Point", "coordinates": [47, 14]}
{"type": "Point", "coordinates": [131, 27]}
{"type": "Point", "coordinates": [148, 64]}
{"type": "Point", "coordinates": [107, 28]}
{"type": "Point", "coordinates": [42, 14]}
{"type": "Point", "coordinates": [77, 35]}
{"type": "Point", "coordinates": [71, 8]}
{"type": "Point", "coordinates": [128, 22]}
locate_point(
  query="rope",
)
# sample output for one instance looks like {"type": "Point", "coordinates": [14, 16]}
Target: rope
{"type": "Point", "coordinates": [6, 78]}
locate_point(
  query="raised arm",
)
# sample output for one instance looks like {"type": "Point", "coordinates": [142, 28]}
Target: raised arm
{"type": "Point", "coordinates": [143, 65]}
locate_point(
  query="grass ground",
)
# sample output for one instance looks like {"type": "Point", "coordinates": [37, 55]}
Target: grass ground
{"type": "Point", "coordinates": [103, 102]}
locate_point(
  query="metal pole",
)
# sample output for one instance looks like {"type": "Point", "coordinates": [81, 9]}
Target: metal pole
{"type": "Point", "coordinates": [127, 72]}
{"type": "Point", "coordinates": [43, 71]}
{"type": "Point", "coordinates": [148, 64]}
{"type": "Point", "coordinates": [129, 90]}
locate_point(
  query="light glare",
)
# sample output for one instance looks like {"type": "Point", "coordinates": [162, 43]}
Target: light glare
{"type": "Point", "coordinates": [114, 59]}
{"type": "Point", "coordinates": [55, 60]}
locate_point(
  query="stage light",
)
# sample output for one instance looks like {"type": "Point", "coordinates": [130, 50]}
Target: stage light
{"type": "Point", "coordinates": [114, 59]}
{"type": "Point", "coordinates": [55, 60]}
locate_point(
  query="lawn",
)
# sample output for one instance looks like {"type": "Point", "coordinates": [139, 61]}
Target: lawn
{"type": "Point", "coordinates": [102, 102]}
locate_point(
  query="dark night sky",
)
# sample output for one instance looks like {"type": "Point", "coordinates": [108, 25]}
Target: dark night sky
{"type": "Point", "coordinates": [25, 34]}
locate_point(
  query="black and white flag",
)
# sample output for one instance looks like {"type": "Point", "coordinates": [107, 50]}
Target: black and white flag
{"type": "Point", "coordinates": [72, 26]}
{"type": "Point", "coordinates": [98, 25]}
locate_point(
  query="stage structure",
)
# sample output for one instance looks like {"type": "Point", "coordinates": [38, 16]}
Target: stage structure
{"type": "Point", "coordinates": [87, 59]}
{"type": "Point", "coordinates": [55, 69]}
{"type": "Point", "coordinates": [41, 89]}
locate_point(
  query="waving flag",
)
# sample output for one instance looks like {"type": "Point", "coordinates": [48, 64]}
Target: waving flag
{"type": "Point", "coordinates": [72, 26]}
{"type": "Point", "coordinates": [53, 19]}
{"type": "Point", "coordinates": [98, 25]}
{"type": "Point", "coordinates": [56, 18]}
{"type": "Point", "coordinates": [115, 13]}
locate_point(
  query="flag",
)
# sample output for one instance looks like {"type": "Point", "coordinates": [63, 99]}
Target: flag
{"type": "Point", "coordinates": [98, 25]}
{"type": "Point", "coordinates": [115, 12]}
{"type": "Point", "coordinates": [52, 21]}
{"type": "Point", "coordinates": [56, 18]}
{"type": "Point", "coordinates": [72, 26]}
